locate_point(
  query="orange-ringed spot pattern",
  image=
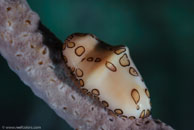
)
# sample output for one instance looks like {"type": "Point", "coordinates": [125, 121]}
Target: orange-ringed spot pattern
{"type": "Point", "coordinates": [84, 90]}
{"type": "Point", "coordinates": [110, 112]}
{"type": "Point", "coordinates": [95, 92]}
{"type": "Point", "coordinates": [79, 50]}
{"type": "Point", "coordinates": [118, 111]}
{"type": "Point", "coordinates": [64, 46]}
{"type": "Point", "coordinates": [90, 59]}
{"type": "Point", "coordinates": [79, 72]}
{"type": "Point", "coordinates": [147, 93]}
{"type": "Point", "coordinates": [147, 113]}
{"type": "Point", "coordinates": [70, 44]}
{"type": "Point", "coordinates": [119, 51]}
{"type": "Point", "coordinates": [97, 60]}
{"type": "Point", "coordinates": [81, 82]}
{"type": "Point", "coordinates": [65, 59]}
{"type": "Point", "coordinates": [135, 95]}
{"type": "Point", "coordinates": [132, 71]}
{"type": "Point", "coordinates": [142, 115]}
{"type": "Point", "coordinates": [105, 104]}
{"type": "Point", "coordinates": [124, 61]}
{"type": "Point", "coordinates": [110, 66]}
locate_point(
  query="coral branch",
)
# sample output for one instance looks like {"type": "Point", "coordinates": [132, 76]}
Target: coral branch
{"type": "Point", "coordinates": [34, 54]}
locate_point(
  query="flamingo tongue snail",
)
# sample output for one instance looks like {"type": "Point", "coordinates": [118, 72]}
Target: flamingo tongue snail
{"type": "Point", "coordinates": [109, 74]}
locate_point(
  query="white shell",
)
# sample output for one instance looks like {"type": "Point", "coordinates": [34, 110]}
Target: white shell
{"type": "Point", "coordinates": [109, 74]}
